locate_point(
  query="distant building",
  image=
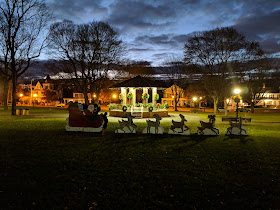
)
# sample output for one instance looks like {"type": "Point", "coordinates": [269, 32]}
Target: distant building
{"type": "Point", "coordinates": [79, 97]}
{"type": "Point", "coordinates": [269, 99]}
{"type": "Point", "coordinates": [44, 92]}
{"type": "Point", "coordinates": [186, 99]}
{"type": "Point", "coordinates": [168, 97]}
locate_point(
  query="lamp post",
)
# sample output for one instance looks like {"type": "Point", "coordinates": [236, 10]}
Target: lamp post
{"type": "Point", "coordinates": [237, 99]}
{"type": "Point", "coordinates": [194, 100]}
{"type": "Point", "coordinates": [94, 98]}
{"type": "Point", "coordinates": [35, 96]}
{"type": "Point", "coordinates": [20, 95]}
{"type": "Point", "coordinates": [114, 96]}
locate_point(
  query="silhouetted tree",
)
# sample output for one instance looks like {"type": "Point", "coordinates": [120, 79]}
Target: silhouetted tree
{"type": "Point", "coordinates": [88, 50]}
{"type": "Point", "coordinates": [255, 81]}
{"type": "Point", "coordinates": [176, 71]}
{"type": "Point", "coordinates": [21, 24]}
{"type": "Point", "coordinates": [50, 96]}
{"type": "Point", "coordinates": [215, 52]}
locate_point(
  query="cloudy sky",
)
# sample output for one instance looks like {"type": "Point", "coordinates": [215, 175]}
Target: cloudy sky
{"type": "Point", "coordinates": [156, 30]}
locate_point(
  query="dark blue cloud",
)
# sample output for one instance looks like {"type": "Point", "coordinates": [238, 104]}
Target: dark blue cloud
{"type": "Point", "coordinates": [160, 27]}
{"type": "Point", "coordinates": [262, 28]}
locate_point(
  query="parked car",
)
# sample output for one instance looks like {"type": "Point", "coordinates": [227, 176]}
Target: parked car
{"type": "Point", "coordinates": [222, 109]}
{"type": "Point", "coordinates": [242, 109]}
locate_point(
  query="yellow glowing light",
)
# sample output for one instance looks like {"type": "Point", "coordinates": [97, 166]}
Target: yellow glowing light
{"type": "Point", "coordinates": [172, 96]}
{"type": "Point", "coordinates": [114, 96]}
{"type": "Point", "coordinates": [35, 95]}
{"type": "Point", "coordinates": [200, 97]}
{"type": "Point", "coordinates": [21, 95]}
{"type": "Point", "coordinates": [94, 96]}
{"type": "Point", "coordinates": [227, 100]}
{"type": "Point", "coordinates": [194, 98]}
{"type": "Point", "coordinates": [237, 91]}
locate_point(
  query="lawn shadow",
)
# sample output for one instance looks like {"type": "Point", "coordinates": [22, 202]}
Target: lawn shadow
{"type": "Point", "coordinates": [190, 140]}
{"type": "Point", "coordinates": [242, 138]}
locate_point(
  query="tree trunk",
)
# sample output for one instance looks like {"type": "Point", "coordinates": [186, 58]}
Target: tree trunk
{"type": "Point", "coordinates": [14, 92]}
{"type": "Point", "coordinates": [216, 101]}
{"type": "Point", "coordinates": [5, 94]}
{"type": "Point", "coordinates": [86, 96]}
{"type": "Point", "coordinates": [96, 100]}
{"type": "Point", "coordinates": [252, 107]}
{"type": "Point", "coordinates": [175, 105]}
{"type": "Point", "coordinates": [226, 112]}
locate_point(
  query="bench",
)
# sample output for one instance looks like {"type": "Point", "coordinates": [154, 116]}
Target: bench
{"type": "Point", "coordinates": [235, 119]}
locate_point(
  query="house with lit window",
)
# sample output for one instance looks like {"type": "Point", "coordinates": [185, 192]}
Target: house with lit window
{"type": "Point", "coordinates": [169, 94]}
{"type": "Point", "coordinates": [79, 97]}
{"type": "Point", "coordinates": [194, 99]}
{"type": "Point", "coordinates": [269, 99]}
{"type": "Point", "coordinates": [41, 92]}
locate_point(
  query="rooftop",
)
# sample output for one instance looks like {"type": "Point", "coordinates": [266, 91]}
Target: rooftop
{"type": "Point", "coordinates": [140, 82]}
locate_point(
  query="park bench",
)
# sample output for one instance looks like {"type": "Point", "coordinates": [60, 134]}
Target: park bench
{"type": "Point", "coordinates": [234, 119]}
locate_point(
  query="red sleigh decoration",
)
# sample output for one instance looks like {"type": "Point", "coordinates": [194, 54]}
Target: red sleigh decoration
{"type": "Point", "coordinates": [77, 121]}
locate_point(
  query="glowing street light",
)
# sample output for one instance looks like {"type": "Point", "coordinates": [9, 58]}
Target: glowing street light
{"type": "Point", "coordinates": [94, 96]}
{"type": "Point", "coordinates": [237, 91]}
{"type": "Point", "coordinates": [227, 101]}
{"type": "Point", "coordinates": [114, 96]}
{"type": "Point", "coordinates": [20, 95]}
{"type": "Point", "coordinates": [35, 96]}
{"type": "Point", "coordinates": [194, 101]}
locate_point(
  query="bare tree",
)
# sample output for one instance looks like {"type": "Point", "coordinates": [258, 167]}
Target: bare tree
{"type": "Point", "coordinates": [176, 70]}
{"type": "Point", "coordinates": [89, 49]}
{"type": "Point", "coordinates": [5, 78]}
{"type": "Point", "coordinates": [215, 52]}
{"type": "Point", "coordinates": [255, 81]}
{"type": "Point", "coordinates": [21, 26]}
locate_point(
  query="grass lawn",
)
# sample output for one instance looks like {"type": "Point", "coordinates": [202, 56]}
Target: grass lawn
{"type": "Point", "coordinates": [44, 167]}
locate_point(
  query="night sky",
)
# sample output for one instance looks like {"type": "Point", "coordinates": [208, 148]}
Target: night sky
{"type": "Point", "coordinates": [156, 30]}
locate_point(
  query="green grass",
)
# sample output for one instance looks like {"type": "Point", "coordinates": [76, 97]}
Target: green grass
{"type": "Point", "coordinates": [44, 167]}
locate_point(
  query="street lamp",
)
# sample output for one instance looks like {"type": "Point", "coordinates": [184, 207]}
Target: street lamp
{"type": "Point", "coordinates": [35, 96]}
{"type": "Point", "coordinates": [194, 100]}
{"type": "Point", "coordinates": [94, 97]}
{"type": "Point", "coordinates": [114, 96]}
{"type": "Point", "coordinates": [237, 100]}
{"type": "Point", "coordinates": [237, 91]}
{"type": "Point", "coordinates": [20, 95]}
